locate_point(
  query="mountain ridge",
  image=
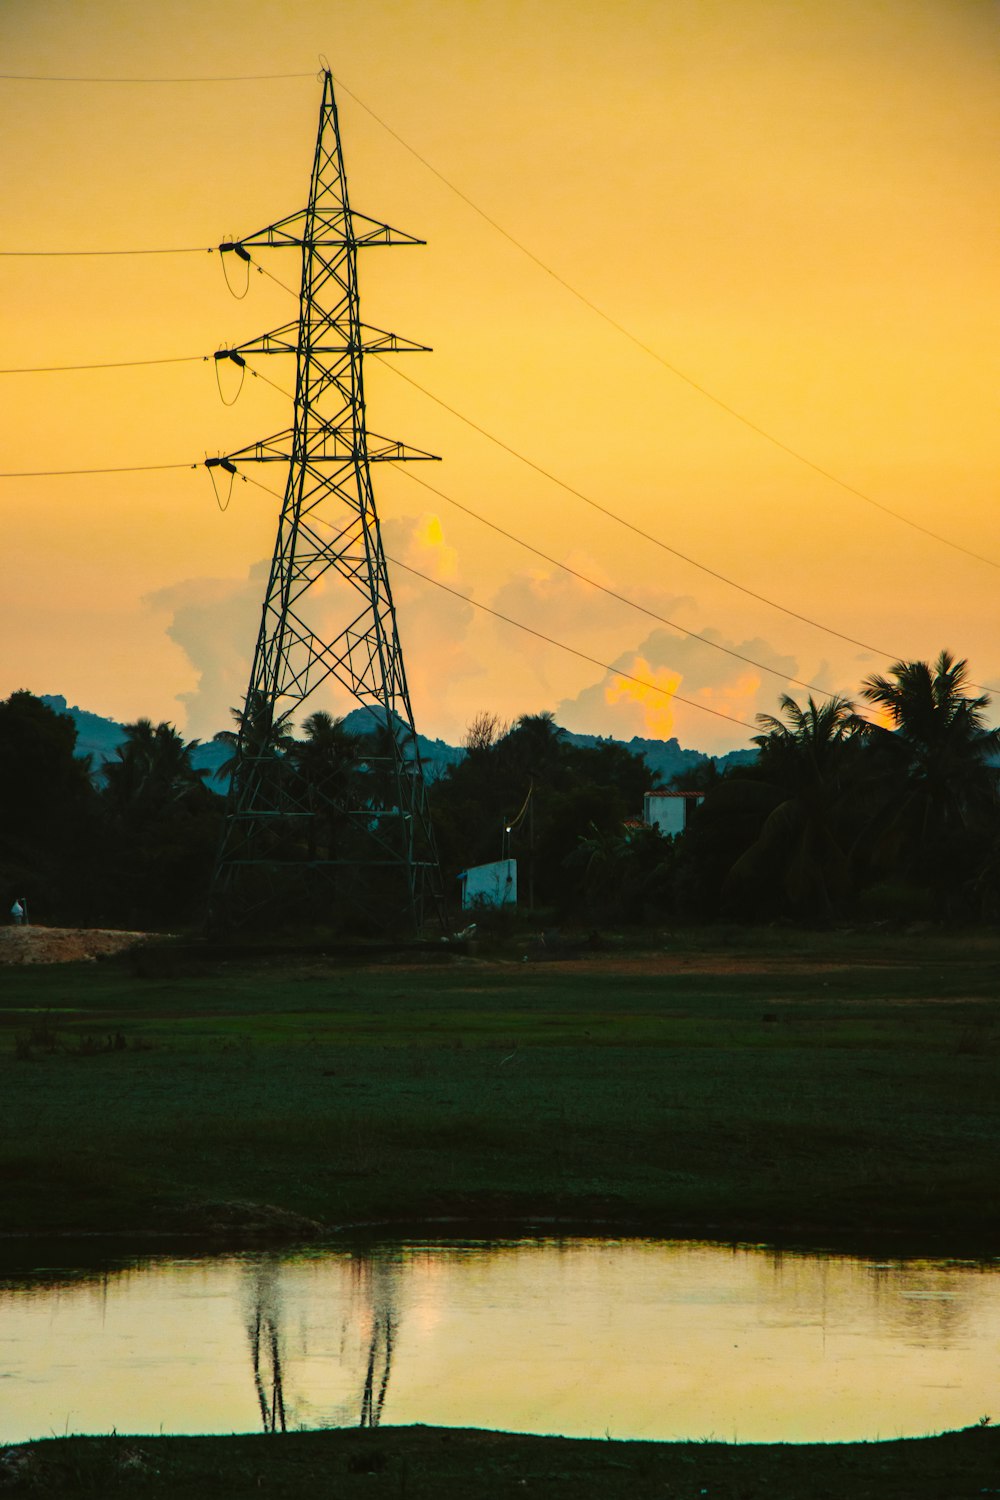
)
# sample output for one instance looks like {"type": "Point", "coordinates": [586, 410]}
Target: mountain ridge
{"type": "Point", "coordinates": [99, 738]}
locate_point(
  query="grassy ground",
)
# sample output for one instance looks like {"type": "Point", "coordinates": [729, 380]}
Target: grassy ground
{"type": "Point", "coordinates": [414, 1463]}
{"type": "Point", "coordinates": [836, 1089]}
{"type": "Point", "coordinates": [833, 1090]}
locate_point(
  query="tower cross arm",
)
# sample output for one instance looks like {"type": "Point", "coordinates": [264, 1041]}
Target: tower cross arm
{"type": "Point", "coordinates": [390, 450]}
{"type": "Point", "coordinates": [368, 231]}
{"type": "Point", "coordinates": [379, 341]}
{"type": "Point", "coordinates": [327, 445]}
{"type": "Point", "coordinates": [342, 226]}
{"type": "Point", "coordinates": [332, 340]}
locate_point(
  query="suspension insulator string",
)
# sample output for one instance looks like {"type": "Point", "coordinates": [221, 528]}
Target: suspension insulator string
{"type": "Point", "coordinates": [231, 470]}
{"type": "Point", "coordinates": [237, 248]}
{"type": "Point", "coordinates": [237, 359]}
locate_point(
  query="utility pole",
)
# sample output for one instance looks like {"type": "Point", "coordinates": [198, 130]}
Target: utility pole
{"type": "Point", "coordinates": [348, 845]}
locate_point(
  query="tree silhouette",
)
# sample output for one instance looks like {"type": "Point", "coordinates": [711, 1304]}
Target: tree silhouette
{"type": "Point", "coordinates": [801, 788]}
{"type": "Point", "coordinates": [933, 779]}
{"type": "Point", "coordinates": [150, 771]}
{"type": "Point", "coordinates": [160, 828]}
{"type": "Point", "coordinates": [324, 762]}
{"type": "Point", "coordinates": [47, 810]}
{"type": "Point", "coordinates": [261, 734]}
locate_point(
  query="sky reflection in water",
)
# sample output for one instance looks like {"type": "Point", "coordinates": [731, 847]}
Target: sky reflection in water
{"type": "Point", "coordinates": [636, 1339]}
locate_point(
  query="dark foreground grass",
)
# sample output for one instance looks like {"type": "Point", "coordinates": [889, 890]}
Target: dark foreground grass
{"type": "Point", "coordinates": [833, 1090]}
{"type": "Point", "coordinates": [419, 1463]}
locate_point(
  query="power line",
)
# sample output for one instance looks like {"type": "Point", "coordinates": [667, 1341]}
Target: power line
{"type": "Point", "coordinates": [561, 645]}
{"type": "Point", "coordinates": [135, 364]}
{"type": "Point", "coordinates": [613, 593]}
{"type": "Point", "coordinates": [226, 78]}
{"type": "Point", "coordinates": [551, 641]}
{"type": "Point", "coordinates": [50, 254]}
{"type": "Point", "coordinates": [543, 265]}
{"type": "Point", "coordinates": [660, 359]}
{"type": "Point", "coordinates": [538, 634]}
{"type": "Point", "coordinates": [638, 530]}
{"type": "Point", "coordinates": [271, 277]}
{"type": "Point", "coordinates": [555, 562]}
{"type": "Point", "coordinates": [123, 469]}
{"type": "Point", "coordinates": [115, 364]}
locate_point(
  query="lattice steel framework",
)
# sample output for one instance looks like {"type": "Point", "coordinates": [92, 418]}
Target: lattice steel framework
{"type": "Point", "coordinates": [364, 841]}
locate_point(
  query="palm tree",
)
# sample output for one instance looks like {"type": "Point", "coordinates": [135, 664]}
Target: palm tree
{"type": "Point", "coordinates": [324, 762]}
{"type": "Point", "coordinates": [257, 734]}
{"type": "Point", "coordinates": [801, 788]}
{"type": "Point", "coordinates": [151, 770]}
{"type": "Point", "coordinates": [537, 744]}
{"type": "Point", "coordinates": [934, 771]}
{"type": "Point", "coordinates": [162, 826]}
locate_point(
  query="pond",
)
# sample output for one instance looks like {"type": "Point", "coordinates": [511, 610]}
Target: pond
{"type": "Point", "coordinates": [594, 1337]}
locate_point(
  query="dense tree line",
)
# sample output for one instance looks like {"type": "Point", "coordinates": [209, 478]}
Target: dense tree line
{"type": "Point", "coordinates": [888, 813]}
{"type": "Point", "coordinates": [130, 846]}
{"type": "Point", "coordinates": [568, 814]}
{"type": "Point", "coordinates": [895, 816]}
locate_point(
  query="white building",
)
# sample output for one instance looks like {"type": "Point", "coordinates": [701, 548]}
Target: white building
{"type": "Point", "coordinates": [490, 885]}
{"type": "Point", "coordinates": [669, 811]}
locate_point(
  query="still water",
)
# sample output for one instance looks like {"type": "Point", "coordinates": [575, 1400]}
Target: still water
{"type": "Point", "coordinates": [647, 1339]}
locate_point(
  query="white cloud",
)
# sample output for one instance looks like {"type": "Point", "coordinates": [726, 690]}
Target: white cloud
{"type": "Point", "coordinates": [215, 623]}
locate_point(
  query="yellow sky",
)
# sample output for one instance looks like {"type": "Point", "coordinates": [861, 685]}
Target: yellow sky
{"type": "Point", "coordinates": [794, 204]}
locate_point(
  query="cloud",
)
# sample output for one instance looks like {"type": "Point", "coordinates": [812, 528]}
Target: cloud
{"type": "Point", "coordinates": [653, 688]}
{"type": "Point", "coordinates": [672, 668]}
{"type": "Point", "coordinates": [436, 628]}
{"type": "Point", "coordinates": [460, 660]}
{"type": "Point", "coordinates": [215, 622]}
{"type": "Point", "coordinates": [428, 550]}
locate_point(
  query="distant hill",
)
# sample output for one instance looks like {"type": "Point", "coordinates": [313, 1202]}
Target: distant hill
{"type": "Point", "coordinates": [99, 738]}
{"type": "Point", "coordinates": [665, 758]}
{"type": "Point", "coordinates": [435, 755]}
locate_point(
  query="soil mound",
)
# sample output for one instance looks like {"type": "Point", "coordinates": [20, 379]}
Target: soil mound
{"type": "Point", "coordinates": [63, 945]}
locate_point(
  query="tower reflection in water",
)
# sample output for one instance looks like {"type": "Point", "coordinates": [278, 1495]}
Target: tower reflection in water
{"type": "Point", "coordinates": [264, 1334]}
{"type": "Point", "coordinates": [372, 1311]}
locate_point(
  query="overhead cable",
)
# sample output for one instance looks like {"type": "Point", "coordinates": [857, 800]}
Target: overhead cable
{"type": "Point", "coordinates": [660, 359]}
{"type": "Point", "coordinates": [225, 78]}
{"type": "Point", "coordinates": [114, 364]}
{"type": "Point", "coordinates": [538, 634]}
{"type": "Point", "coordinates": [166, 250]}
{"type": "Point", "coordinates": [638, 530]}
{"type": "Point", "coordinates": [122, 469]}
{"type": "Point", "coordinates": [551, 641]}
{"type": "Point", "coordinates": [614, 594]}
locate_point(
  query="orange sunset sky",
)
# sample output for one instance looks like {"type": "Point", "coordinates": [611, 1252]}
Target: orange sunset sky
{"type": "Point", "coordinates": [791, 203]}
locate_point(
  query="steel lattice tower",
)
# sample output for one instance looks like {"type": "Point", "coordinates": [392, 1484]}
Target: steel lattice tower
{"type": "Point", "coordinates": [290, 842]}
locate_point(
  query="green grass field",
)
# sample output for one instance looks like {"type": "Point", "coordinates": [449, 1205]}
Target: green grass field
{"type": "Point", "coordinates": [834, 1089]}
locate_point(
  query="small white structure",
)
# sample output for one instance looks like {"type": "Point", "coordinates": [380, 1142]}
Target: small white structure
{"type": "Point", "coordinates": [669, 811]}
{"type": "Point", "coordinates": [490, 885]}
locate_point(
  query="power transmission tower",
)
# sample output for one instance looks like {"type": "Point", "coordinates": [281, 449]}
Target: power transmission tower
{"type": "Point", "coordinates": [348, 839]}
